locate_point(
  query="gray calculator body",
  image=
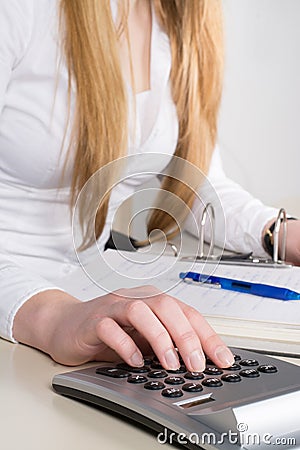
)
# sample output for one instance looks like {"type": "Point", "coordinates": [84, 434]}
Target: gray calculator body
{"type": "Point", "coordinates": [258, 407]}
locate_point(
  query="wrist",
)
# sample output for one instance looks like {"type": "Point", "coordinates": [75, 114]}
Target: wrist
{"type": "Point", "coordinates": [268, 236]}
{"type": "Point", "coordinates": [37, 320]}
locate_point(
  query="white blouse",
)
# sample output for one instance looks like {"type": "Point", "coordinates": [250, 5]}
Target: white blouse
{"type": "Point", "coordinates": [35, 224]}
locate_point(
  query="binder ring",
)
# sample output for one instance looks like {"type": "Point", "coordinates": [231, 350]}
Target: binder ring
{"type": "Point", "coordinates": [174, 248]}
{"type": "Point", "coordinates": [281, 218]}
{"type": "Point", "coordinates": [208, 207]}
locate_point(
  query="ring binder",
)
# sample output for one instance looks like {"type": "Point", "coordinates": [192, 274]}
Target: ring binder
{"type": "Point", "coordinates": [243, 259]}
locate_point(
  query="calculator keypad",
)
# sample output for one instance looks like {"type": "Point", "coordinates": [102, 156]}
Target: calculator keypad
{"type": "Point", "coordinates": [176, 383]}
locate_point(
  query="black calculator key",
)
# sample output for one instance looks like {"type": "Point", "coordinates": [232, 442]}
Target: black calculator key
{"type": "Point", "coordinates": [209, 362]}
{"type": "Point", "coordinates": [212, 382]}
{"type": "Point", "coordinates": [182, 369]}
{"type": "Point", "coordinates": [112, 372]}
{"type": "Point", "coordinates": [154, 385]}
{"type": "Point", "coordinates": [231, 378]}
{"type": "Point", "coordinates": [249, 362]}
{"type": "Point", "coordinates": [148, 361]}
{"type": "Point", "coordinates": [157, 366]}
{"type": "Point", "coordinates": [194, 376]}
{"type": "Point", "coordinates": [233, 367]}
{"type": "Point", "coordinates": [174, 380]}
{"type": "Point", "coordinates": [267, 368]}
{"type": "Point", "coordinates": [157, 374]}
{"type": "Point", "coordinates": [172, 392]}
{"type": "Point", "coordinates": [125, 366]}
{"type": "Point", "coordinates": [137, 379]}
{"type": "Point", "coordinates": [249, 373]}
{"type": "Point", "coordinates": [213, 371]}
{"type": "Point", "coordinates": [192, 387]}
{"type": "Point", "coordinates": [237, 357]}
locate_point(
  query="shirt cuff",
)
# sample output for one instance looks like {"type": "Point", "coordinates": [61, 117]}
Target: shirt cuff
{"type": "Point", "coordinates": [17, 286]}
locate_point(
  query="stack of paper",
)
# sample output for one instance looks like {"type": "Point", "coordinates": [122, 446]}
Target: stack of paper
{"type": "Point", "coordinates": [244, 320]}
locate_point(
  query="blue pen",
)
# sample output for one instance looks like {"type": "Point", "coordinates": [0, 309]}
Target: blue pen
{"type": "Point", "coordinates": [263, 290]}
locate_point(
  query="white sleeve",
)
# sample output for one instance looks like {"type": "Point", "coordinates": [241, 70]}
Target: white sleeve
{"type": "Point", "coordinates": [240, 218]}
{"type": "Point", "coordinates": [17, 284]}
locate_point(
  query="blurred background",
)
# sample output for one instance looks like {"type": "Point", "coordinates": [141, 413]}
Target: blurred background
{"type": "Point", "coordinates": [259, 122]}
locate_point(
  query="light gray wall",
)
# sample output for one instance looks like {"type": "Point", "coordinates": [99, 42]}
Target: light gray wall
{"type": "Point", "coordinates": [259, 122]}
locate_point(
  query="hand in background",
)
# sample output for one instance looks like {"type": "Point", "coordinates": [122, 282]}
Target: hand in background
{"type": "Point", "coordinates": [293, 242]}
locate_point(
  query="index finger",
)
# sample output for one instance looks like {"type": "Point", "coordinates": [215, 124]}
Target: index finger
{"type": "Point", "coordinates": [212, 344]}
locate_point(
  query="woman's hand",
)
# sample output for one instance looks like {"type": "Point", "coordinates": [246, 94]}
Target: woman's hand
{"type": "Point", "coordinates": [128, 323]}
{"type": "Point", "coordinates": [292, 242]}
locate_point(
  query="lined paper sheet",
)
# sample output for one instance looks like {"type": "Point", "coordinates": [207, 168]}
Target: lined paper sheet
{"type": "Point", "coordinates": [219, 302]}
{"type": "Point", "coordinates": [114, 270]}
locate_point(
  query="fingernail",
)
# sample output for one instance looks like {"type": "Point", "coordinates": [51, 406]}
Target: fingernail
{"type": "Point", "coordinates": [136, 360]}
{"type": "Point", "coordinates": [224, 355]}
{"type": "Point", "coordinates": [172, 360]}
{"type": "Point", "coordinates": [196, 361]}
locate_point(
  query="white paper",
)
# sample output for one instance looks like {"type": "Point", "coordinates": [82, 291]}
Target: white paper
{"type": "Point", "coordinates": [117, 270]}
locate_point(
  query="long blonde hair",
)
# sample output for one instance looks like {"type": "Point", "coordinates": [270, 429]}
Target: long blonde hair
{"type": "Point", "coordinates": [90, 44]}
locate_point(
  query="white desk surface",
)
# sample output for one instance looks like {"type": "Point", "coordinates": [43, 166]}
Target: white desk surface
{"type": "Point", "coordinates": [34, 417]}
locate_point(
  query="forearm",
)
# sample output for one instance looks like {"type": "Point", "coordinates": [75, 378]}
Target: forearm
{"type": "Point", "coordinates": [37, 321]}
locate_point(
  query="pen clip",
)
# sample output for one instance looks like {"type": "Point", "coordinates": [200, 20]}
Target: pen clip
{"type": "Point", "coordinates": [207, 283]}
{"type": "Point", "coordinates": [202, 283]}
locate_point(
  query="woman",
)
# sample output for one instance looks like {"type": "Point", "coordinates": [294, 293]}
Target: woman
{"type": "Point", "coordinates": [84, 82]}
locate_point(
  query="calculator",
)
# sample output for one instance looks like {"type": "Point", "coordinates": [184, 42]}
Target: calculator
{"type": "Point", "coordinates": [253, 404]}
